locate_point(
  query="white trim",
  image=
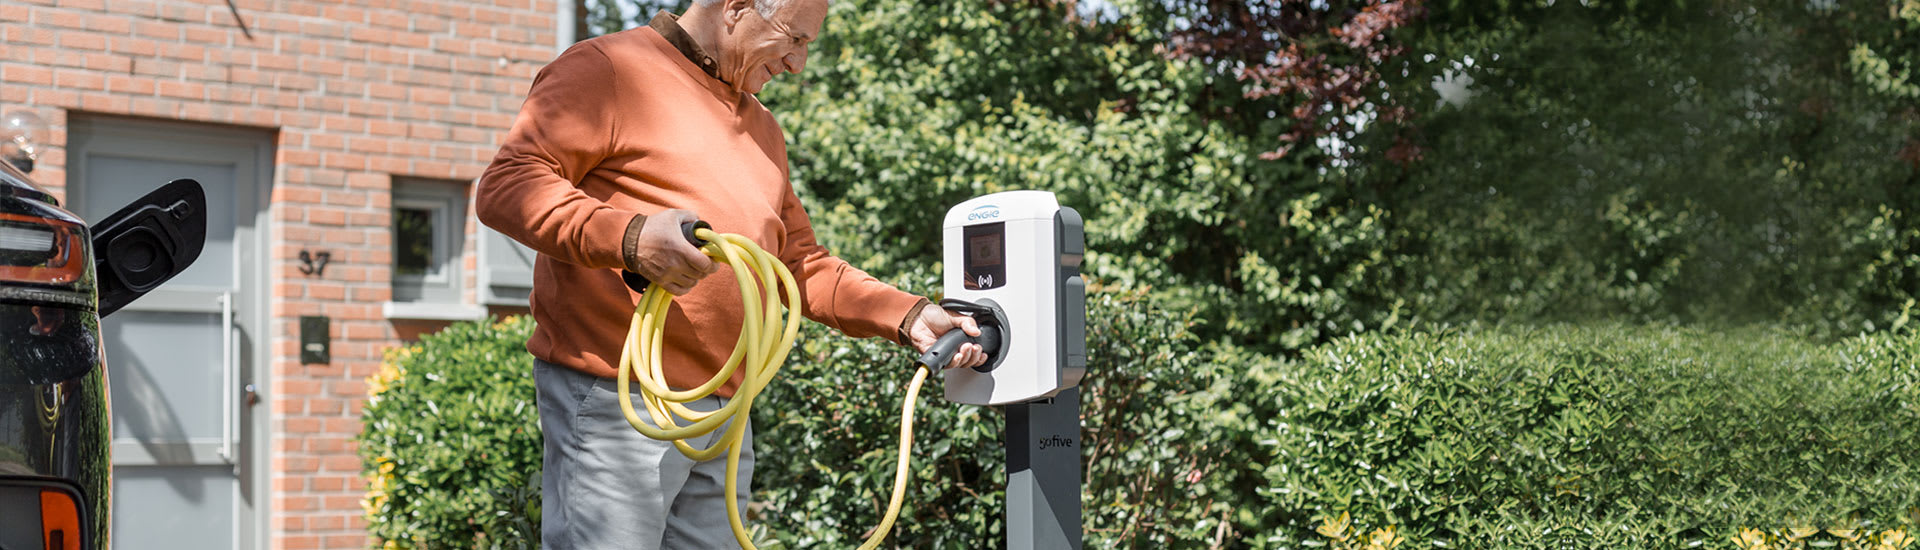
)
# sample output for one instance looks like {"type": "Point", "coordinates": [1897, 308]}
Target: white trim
{"type": "Point", "coordinates": [563, 37]}
{"type": "Point", "coordinates": [430, 311]}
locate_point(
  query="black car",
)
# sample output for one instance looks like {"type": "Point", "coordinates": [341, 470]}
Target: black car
{"type": "Point", "coordinates": [55, 425]}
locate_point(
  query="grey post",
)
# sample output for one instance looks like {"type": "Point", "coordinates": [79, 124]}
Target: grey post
{"type": "Point", "coordinates": [1043, 473]}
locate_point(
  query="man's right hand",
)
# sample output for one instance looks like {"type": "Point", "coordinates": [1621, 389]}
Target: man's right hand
{"type": "Point", "coordinates": [665, 257]}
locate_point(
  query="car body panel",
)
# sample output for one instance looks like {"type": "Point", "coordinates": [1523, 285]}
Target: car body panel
{"type": "Point", "coordinates": [55, 422]}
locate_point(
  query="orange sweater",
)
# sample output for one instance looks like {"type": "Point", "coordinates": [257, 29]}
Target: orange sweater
{"type": "Point", "coordinates": [625, 125]}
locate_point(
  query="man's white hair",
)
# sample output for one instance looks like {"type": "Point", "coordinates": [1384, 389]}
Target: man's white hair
{"type": "Point", "coordinates": [765, 7]}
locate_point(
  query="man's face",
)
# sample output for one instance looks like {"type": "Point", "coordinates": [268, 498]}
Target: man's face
{"type": "Point", "coordinates": [759, 47]}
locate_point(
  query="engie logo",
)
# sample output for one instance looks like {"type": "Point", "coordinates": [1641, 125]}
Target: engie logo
{"type": "Point", "coordinates": [984, 212]}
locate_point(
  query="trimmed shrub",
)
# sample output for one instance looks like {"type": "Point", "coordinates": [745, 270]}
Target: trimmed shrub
{"type": "Point", "coordinates": [451, 443]}
{"type": "Point", "coordinates": [1672, 437]}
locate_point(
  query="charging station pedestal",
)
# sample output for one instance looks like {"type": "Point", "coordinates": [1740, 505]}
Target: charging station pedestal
{"type": "Point", "coordinates": [1019, 252]}
{"type": "Point", "coordinates": [1043, 473]}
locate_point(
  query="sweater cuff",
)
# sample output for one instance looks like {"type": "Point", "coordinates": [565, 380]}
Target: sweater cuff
{"type": "Point", "coordinates": [630, 243]}
{"type": "Point", "coordinates": [906, 323]}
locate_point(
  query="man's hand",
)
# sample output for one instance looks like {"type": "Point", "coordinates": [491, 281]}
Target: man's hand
{"type": "Point", "coordinates": [664, 255]}
{"type": "Point", "coordinates": [935, 321]}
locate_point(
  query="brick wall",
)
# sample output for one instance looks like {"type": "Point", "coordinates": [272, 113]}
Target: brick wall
{"type": "Point", "coordinates": [360, 91]}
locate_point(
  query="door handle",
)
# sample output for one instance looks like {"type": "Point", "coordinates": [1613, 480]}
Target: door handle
{"type": "Point", "coordinates": [227, 357]}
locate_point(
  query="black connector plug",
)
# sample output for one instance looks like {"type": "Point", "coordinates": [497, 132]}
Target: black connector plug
{"type": "Point", "coordinates": [942, 351]}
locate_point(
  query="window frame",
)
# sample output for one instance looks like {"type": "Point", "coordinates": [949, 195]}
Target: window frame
{"type": "Point", "coordinates": [447, 203]}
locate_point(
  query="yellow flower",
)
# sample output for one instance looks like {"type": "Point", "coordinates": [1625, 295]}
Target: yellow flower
{"type": "Point", "coordinates": [1751, 539]}
{"type": "Point", "coordinates": [1383, 539]}
{"type": "Point", "coordinates": [1794, 534]}
{"type": "Point", "coordinates": [1894, 540]}
{"type": "Point", "coordinates": [372, 503]}
{"type": "Point", "coordinates": [383, 379]}
{"type": "Point", "coordinates": [1336, 528]}
{"type": "Point", "coordinates": [1848, 535]}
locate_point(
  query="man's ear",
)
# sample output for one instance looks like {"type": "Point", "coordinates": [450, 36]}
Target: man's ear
{"type": "Point", "coordinates": [733, 10]}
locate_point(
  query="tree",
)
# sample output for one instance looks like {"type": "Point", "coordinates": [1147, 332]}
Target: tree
{"type": "Point", "coordinates": [1689, 161]}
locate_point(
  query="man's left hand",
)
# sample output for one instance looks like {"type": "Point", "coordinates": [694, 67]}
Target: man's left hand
{"type": "Point", "coordinates": [935, 321]}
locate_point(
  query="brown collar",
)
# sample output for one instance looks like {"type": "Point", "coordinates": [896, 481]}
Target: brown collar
{"type": "Point", "coordinates": [668, 25]}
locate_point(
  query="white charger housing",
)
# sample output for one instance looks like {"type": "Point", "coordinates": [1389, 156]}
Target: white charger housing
{"type": "Point", "coordinates": [1021, 251]}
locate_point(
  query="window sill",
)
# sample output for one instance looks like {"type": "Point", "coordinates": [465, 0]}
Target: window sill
{"type": "Point", "coordinates": [430, 311]}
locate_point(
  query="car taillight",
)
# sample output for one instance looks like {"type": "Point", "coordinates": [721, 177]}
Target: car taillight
{"type": "Point", "coordinates": [39, 250]}
{"type": "Point", "coordinates": [59, 520]}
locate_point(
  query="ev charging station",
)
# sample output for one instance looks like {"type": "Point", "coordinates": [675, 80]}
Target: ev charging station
{"type": "Point", "coordinates": [1014, 257]}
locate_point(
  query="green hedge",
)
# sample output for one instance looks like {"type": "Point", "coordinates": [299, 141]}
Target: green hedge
{"type": "Point", "coordinates": [451, 443]}
{"type": "Point", "coordinates": [1599, 435]}
{"type": "Point", "coordinates": [1530, 437]}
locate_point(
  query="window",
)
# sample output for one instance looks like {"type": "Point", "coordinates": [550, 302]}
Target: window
{"type": "Point", "coordinates": [506, 270]}
{"type": "Point", "coordinates": [583, 19]}
{"type": "Point", "coordinates": [429, 233]}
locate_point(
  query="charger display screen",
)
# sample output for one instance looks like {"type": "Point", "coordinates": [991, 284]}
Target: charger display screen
{"type": "Point", "coordinates": [985, 265]}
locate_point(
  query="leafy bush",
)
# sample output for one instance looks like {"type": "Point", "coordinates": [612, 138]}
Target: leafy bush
{"type": "Point", "coordinates": [451, 443]}
{"type": "Point", "coordinates": [827, 433]}
{"type": "Point", "coordinates": [1667, 436]}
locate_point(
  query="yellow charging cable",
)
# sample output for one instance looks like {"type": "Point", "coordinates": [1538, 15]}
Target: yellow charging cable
{"type": "Point", "coordinates": [762, 350]}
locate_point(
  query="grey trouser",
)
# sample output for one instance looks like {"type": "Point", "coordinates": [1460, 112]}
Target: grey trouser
{"type": "Point", "coordinates": [607, 486]}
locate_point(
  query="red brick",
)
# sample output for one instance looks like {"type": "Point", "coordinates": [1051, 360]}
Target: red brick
{"type": "Point", "coordinates": [85, 80]}
{"type": "Point", "coordinates": [55, 98]}
{"type": "Point", "coordinates": [341, 463]}
{"type": "Point", "coordinates": [109, 24]}
{"type": "Point", "coordinates": [326, 216]}
{"type": "Point", "coordinates": [291, 523]}
{"type": "Point", "coordinates": [300, 542]}
{"type": "Point", "coordinates": [109, 63]}
{"type": "Point", "coordinates": [289, 484]}
{"type": "Point", "coordinates": [45, 17]}
{"type": "Point", "coordinates": [329, 523]}
{"type": "Point", "coordinates": [325, 406]}
{"type": "Point", "coordinates": [40, 36]}
{"type": "Point", "coordinates": [103, 103]}
{"type": "Point", "coordinates": [326, 291]}
{"type": "Point", "coordinates": [372, 294]}
{"type": "Point", "coordinates": [156, 67]}
{"type": "Point", "coordinates": [298, 464]}
{"type": "Point", "coordinates": [350, 388]}
{"type": "Point", "coordinates": [184, 51]}
{"type": "Point", "coordinates": [156, 30]}
{"type": "Point", "coordinates": [301, 425]}
{"type": "Point", "coordinates": [26, 75]}
{"type": "Point", "coordinates": [122, 84]}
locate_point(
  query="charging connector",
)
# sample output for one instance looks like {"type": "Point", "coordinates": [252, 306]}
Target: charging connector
{"type": "Point", "coordinates": [993, 335]}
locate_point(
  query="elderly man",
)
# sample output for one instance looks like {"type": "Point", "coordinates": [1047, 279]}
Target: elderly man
{"type": "Point", "coordinates": [621, 139]}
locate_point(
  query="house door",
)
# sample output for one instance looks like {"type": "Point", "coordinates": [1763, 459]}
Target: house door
{"type": "Point", "coordinates": [181, 360]}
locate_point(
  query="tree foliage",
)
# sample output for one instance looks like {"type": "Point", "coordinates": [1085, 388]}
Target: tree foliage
{"type": "Point", "coordinates": [1688, 161]}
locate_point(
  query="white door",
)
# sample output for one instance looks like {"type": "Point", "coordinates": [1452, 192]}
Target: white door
{"type": "Point", "coordinates": [179, 359]}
